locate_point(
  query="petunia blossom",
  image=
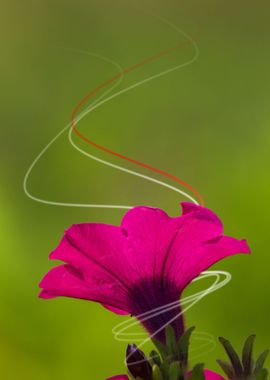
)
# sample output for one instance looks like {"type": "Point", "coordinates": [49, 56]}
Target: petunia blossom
{"type": "Point", "coordinates": [141, 265]}
{"type": "Point", "coordinates": [209, 375]}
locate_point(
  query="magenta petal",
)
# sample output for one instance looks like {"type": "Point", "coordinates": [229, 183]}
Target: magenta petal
{"type": "Point", "coordinates": [150, 233]}
{"type": "Point", "coordinates": [115, 310]}
{"type": "Point", "coordinates": [189, 264]}
{"type": "Point", "coordinates": [152, 236]}
{"type": "Point", "coordinates": [188, 207]}
{"type": "Point", "coordinates": [198, 245]}
{"type": "Point", "coordinates": [210, 375]}
{"type": "Point", "coordinates": [97, 252]}
{"type": "Point", "coordinates": [90, 268]}
{"type": "Point", "coordinates": [68, 281]}
{"type": "Point", "coordinates": [143, 264]}
{"type": "Point", "coordinates": [93, 247]}
{"type": "Point", "coordinates": [199, 224]}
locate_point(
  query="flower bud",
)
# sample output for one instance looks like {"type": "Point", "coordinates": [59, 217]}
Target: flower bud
{"type": "Point", "coordinates": [137, 363]}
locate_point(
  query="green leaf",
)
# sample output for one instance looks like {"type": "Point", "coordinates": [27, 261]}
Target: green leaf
{"type": "Point", "coordinates": [261, 360]}
{"type": "Point", "coordinates": [247, 355]}
{"type": "Point", "coordinates": [262, 374]}
{"type": "Point", "coordinates": [164, 368]}
{"type": "Point", "coordinates": [227, 368]}
{"type": "Point", "coordinates": [161, 348]}
{"type": "Point", "coordinates": [156, 373]}
{"type": "Point", "coordinates": [154, 358]}
{"type": "Point", "coordinates": [171, 340]}
{"type": "Point", "coordinates": [197, 372]}
{"type": "Point", "coordinates": [174, 371]}
{"type": "Point", "coordinates": [183, 345]}
{"type": "Point", "coordinates": [234, 358]}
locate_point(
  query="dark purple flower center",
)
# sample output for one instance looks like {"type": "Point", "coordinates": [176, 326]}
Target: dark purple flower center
{"type": "Point", "coordinates": [148, 296]}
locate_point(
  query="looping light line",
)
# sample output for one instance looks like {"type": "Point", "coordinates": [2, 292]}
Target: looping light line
{"type": "Point", "coordinates": [96, 104]}
{"type": "Point", "coordinates": [189, 300]}
{"type": "Point", "coordinates": [119, 331]}
{"type": "Point", "coordinates": [66, 128]}
{"type": "Point", "coordinates": [74, 130]}
{"type": "Point", "coordinates": [208, 346]}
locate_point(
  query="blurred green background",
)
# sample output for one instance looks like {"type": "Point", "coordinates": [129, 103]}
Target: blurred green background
{"type": "Point", "coordinates": [207, 123]}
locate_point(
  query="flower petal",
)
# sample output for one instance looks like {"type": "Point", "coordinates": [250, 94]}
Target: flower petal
{"type": "Point", "coordinates": [115, 310]}
{"type": "Point", "coordinates": [89, 244]}
{"type": "Point", "coordinates": [150, 233]}
{"type": "Point", "coordinates": [68, 281]}
{"type": "Point", "coordinates": [98, 252]}
{"type": "Point", "coordinates": [189, 263]}
{"type": "Point", "coordinates": [210, 375]}
{"type": "Point", "coordinates": [190, 254]}
{"type": "Point", "coordinates": [143, 264]}
{"type": "Point", "coordinates": [188, 207]}
{"type": "Point", "coordinates": [199, 224]}
{"type": "Point", "coordinates": [118, 377]}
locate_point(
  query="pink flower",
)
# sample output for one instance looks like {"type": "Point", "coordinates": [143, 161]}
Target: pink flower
{"type": "Point", "coordinates": [209, 375]}
{"type": "Point", "coordinates": [144, 263]}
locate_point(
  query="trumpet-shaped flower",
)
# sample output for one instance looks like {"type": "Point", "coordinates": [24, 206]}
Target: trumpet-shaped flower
{"type": "Point", "coordinates": [141, 265]}
{"type": "Point", "coordinates": [208, 375]}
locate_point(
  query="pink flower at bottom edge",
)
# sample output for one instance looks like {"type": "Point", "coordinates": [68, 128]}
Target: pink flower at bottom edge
{"type": "Point", "coordinates": [209, 375]}
{"type": "Point", "coordinates": [141, 265]}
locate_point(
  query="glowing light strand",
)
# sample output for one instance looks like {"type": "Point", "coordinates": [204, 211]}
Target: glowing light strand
{"type": "Point", "coordinates": [91, 108]}
{"type": "Point", "coordinates": [119, 330]}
